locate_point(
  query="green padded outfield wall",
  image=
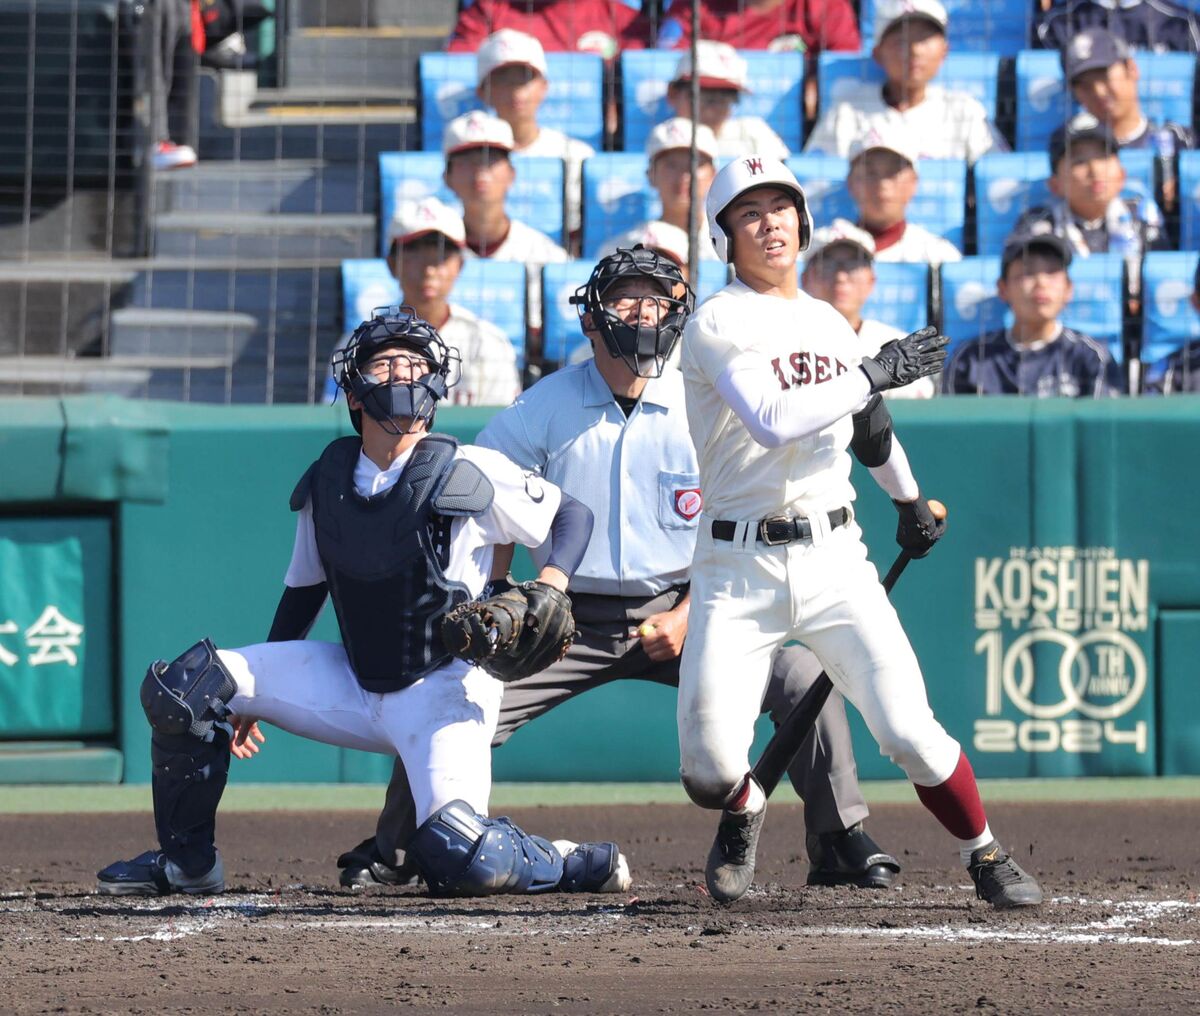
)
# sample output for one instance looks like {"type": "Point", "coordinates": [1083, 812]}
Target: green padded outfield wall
{"type": "Point", "coordinates": [1037, 619]}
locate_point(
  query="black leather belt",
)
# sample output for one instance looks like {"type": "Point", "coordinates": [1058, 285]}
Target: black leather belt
{"type": "Point", "coordinates": [780, 529]}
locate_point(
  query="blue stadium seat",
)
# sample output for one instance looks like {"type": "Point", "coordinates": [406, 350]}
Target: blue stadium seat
{"type": "Point", "coordinates": [776, 80]}
{"type": "Point", "coordinates": [900, 297]}
{"type": "Point", "coordinates": [996, 26]}
{"type": "Point", "coordinates": [1169, 320]}
{"type": "Point", "coordinates": [574, 102]}
{"type": "Point", "coordinates": [940, 204]}
{"type": "Point", "coordinates": [561, 334]}
{"type": "Point", "coordinates": [1189, 200]}
{"type": "Point", "coordinates": [616, 197]}
{"type": "Point", "coordinates": [536, 197]}
{"type": "Point", "coordinates": [1043, 102]}
{"type": "Point", "coordinates": [492, 290]}
{"type": "Point", "coordinates": [974, 73]}
{"type": "Point", "coordinates": [1009, 183]}
{"type": "Point", "coordinates": [971, 307]}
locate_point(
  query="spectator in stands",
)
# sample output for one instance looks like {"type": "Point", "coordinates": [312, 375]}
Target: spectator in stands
{"type": "Point", "coordinates": [910, 46]}
{"type": "Point", "coordinates": [722, 82]}
{"type": "Point", "coordinates": [173, 59]}
{"type": "Point", "coordinates": [882, 182]}
{"type": "Point", "coordinates": [603, 27]}
{"type": "Point", "coordinates": [1103, 76]}
{"type": "Point", "coordinates": [809, 26]}
{"type": "Point", "coordinates": [1087, 209]}
{"type": "Point", "coordinates": [839, 268]}
{"type": "Point", "coordinates": [1179, 372]}
{"type": "Point", "coordinates": [480, 173]}
{"type": "Point", "coordinates": [511, 72]}
{"type": "Point", "coordinates": [1037, 355]}
{"type": "Point", "coordinates": [669, 150]}
{"type": "Point", "coordinates": [1159, 25]}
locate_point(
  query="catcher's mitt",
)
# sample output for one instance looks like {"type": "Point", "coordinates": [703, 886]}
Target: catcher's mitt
{"type": "Point", "coordinates": [518, 633]}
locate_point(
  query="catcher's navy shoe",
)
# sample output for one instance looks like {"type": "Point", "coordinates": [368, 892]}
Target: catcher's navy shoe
{"type": "Point", "coordinates": [151, 874]}
{"type": "Point", "coordinates": [593, 868]}
{"type": "Point", "coordinates": [1000, 880]}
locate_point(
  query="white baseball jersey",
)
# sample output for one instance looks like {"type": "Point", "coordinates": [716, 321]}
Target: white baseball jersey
{"type": "Point", "coordinates": [557, 145]}
{"type": "Point", "coordinates": [872, 335]}
{"type": "Point", "coordinates": [750, 135]}
{"type": "Point", "coordinates": [920, 246]}
{"type": "Point", "coordinates": [489, 375]}
{"type": "Point", "coordinates": [947, 125]}
{"type": "Point", "coordinates": [533, 249]}
{"type": "Point", "coordinates": [802, 342]}
{"type": "Point", "coordinates": [638, 234]}
{"type": "Point", "coordinates": [521, 512]}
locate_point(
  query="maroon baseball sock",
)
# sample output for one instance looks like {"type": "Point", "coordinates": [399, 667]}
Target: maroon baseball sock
{"type": "Point", "coordinates": [956, 802]}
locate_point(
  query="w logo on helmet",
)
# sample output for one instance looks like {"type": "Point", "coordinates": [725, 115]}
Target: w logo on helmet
{"type": "Point", "coordinates": [754, 165]}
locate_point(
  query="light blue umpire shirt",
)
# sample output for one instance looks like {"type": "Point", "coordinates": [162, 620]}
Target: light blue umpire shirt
{"type": "Point", "coordinates": [639, 475]}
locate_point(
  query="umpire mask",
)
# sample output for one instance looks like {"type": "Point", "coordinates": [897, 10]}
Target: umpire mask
{"type": "Point", "coordinates": [376, 367]}
{"type": "Point", "coordinates": [637, 300]}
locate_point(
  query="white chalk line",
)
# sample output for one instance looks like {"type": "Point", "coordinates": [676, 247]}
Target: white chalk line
{"type": "Point", "coordinates": [269, 911]}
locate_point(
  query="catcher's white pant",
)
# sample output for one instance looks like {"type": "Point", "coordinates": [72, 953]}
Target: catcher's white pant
{"type": "Point", "coordinates": [749, 599]}
{"type": "Point", "coordinates": [441, 726]}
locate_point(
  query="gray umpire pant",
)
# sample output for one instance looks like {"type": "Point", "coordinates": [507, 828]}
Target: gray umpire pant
{"type": "Point", "coordinates": [824, 773]}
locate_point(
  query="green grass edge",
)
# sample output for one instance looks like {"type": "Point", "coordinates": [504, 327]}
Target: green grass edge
{"type": "Point", "coordinates": [244, 797]}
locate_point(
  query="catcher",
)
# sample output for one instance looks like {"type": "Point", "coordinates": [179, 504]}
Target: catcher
{"type": "Point", "coordinates": [397, 529]}
{"type": "Point", "coordinates": [612, 429]}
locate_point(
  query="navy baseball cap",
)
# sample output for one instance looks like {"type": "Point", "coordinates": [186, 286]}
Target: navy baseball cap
{"type": "Point", "coordinates": [1088, 51]}
{"type": "Point", "coordinates": [1083, 127]}
{"type": "Point", "coordinates": [1018, 246]}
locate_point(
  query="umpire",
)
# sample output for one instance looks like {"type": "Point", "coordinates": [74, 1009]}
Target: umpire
{"type": "Point", "coordinates": [619, 419]}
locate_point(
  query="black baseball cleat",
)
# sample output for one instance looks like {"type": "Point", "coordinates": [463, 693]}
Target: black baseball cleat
{"type": "Point", "coordinates": [850, 857]}
{"type": "Point", "coordinates": [151, 874]}
{"type": "Point", "coordinates": [730, 867]}
{"type": "Point", "coordinates": [1000, 880]}
{"type": "Point", "coordinates": [364, 866]}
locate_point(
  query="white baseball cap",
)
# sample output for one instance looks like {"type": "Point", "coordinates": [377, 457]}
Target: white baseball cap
{"type": "Point", "coordinates": [415, 219]}
{"type": "Point", "coordinates": [889, 140]}
{"type": "Point", "coordinates": [745, 173]}
{"type": "Point", "coordinates": [677, 133]}
{"type": "Point", "coordinates": [664, 238]}
{"type": "Point", "coordinates": [476, 129]}
{"type": "Point", "coordinates": [719, 63]}
{"type": "Point", "coordinates": [889, 12]}
{"type": "Point", "coordinates": [840, 231]}
{"type": "Point", "coordinates": [508, 46]}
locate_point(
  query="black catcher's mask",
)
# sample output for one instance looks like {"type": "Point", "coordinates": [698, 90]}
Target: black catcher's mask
{"type": "Point", "coordinates": [396, 405]}
{"type": "Point", "coordinates": [644, 347]}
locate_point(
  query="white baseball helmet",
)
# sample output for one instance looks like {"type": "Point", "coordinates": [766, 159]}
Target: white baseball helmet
{"type": "Point", "coordinates": [741, 175]}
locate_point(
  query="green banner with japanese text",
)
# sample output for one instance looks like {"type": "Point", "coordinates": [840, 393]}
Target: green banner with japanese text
{"type": "Point", "coordinates": [55, 627]}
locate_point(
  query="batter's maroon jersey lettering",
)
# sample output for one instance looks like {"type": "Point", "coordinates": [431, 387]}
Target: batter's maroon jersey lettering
{"type": "Point", "coordinates": [806, 369]}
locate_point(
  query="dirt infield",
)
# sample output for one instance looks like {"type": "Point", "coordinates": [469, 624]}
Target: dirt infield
{"type": "Point", "coordinates": [1121, 930]}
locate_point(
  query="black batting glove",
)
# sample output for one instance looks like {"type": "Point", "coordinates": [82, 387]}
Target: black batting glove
{"type": "Point", "coordinates": [918, 530]}
{"type": "Point", "coordinates": [902, 361]}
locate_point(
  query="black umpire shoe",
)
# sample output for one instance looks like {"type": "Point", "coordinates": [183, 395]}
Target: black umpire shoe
{"type": "Point", "coordinates": [730, 867]}
{"type": "Point", "coordinates": [364, 866]}
{"type": "Point", "coordinates": [850, 857]}
{"type": "Point", "coordinates": [1000, 880]}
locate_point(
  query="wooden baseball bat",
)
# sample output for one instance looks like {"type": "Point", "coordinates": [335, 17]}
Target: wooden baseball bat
{"type": "Point", "coordinates": [790, 734]}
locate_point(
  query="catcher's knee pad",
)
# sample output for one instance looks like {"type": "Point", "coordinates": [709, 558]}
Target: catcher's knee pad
{"type": "Point", "coordinates": [187, 695]}
{"type": "Point", "coordinates": [592, 868]}
{"type": "Point", "coordinates": [189, 779]}
{"type": "Point", "coordinates": [461, 853]}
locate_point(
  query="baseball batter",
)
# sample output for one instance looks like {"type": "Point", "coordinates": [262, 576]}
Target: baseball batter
{"type": "Point", "coordinates": [776, 394]}
{"type": "Point", "coordinates": [396, 529]}
{"type": "Point", "coordinates": [614, 430]}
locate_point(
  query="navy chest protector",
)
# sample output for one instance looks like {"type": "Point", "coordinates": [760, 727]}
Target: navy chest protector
{"type": "Point", "coordinates": [385, 556]}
